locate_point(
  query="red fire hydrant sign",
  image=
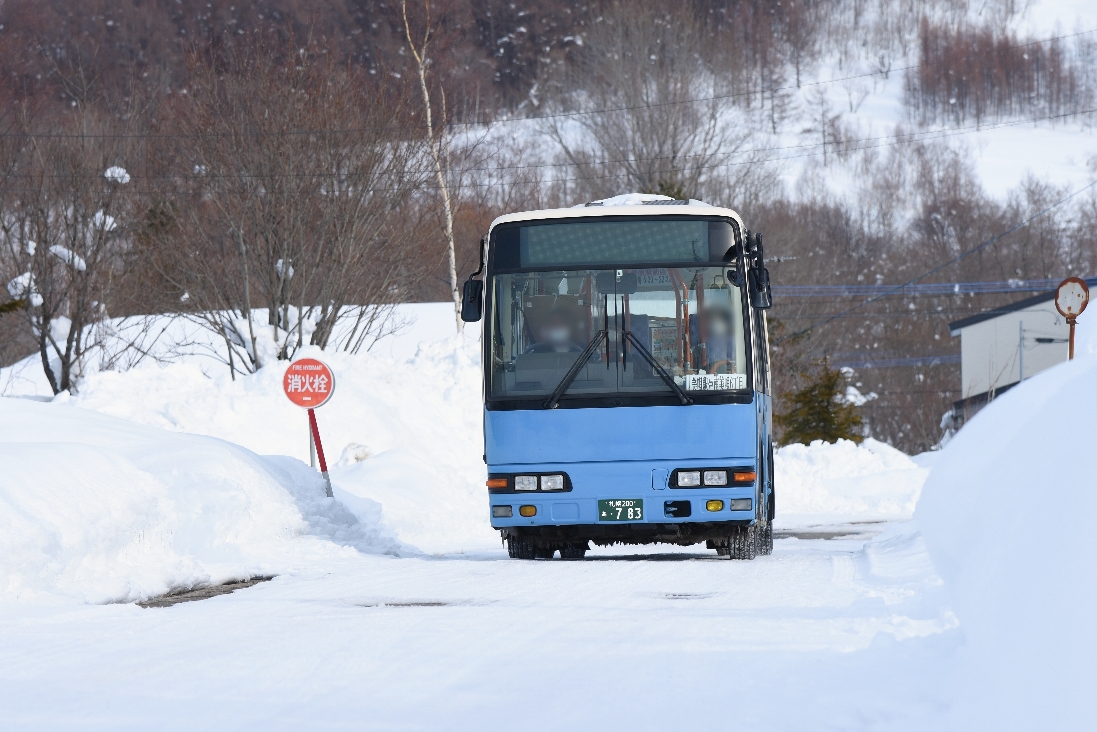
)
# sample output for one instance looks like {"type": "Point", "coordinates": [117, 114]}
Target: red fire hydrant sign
{"type": "Point", "coordinates": [308, 383]}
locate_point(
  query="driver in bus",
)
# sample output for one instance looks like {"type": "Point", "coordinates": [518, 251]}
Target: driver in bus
{"type": "Point", "coordinates": [557, 332]}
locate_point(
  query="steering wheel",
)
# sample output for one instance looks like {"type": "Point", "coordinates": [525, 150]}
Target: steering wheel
{"type": "Point", "coordinates": [545, 347]}
{"type": "Point", "coordinates": [722, 362]}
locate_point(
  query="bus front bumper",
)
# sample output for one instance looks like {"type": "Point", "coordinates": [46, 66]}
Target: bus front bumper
{"type": "Point", "coordinates": [628, 502]}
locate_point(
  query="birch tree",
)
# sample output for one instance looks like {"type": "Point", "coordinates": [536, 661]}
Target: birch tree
{"type": "Point", "coordinates": [419, 45]}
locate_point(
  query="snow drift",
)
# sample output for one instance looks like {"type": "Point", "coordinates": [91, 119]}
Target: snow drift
{"type": "Point", "coordinates": [1007, 515]}
{"type": "Point", "coordinates": [102, 510]}
{"type": "Point", "coordinates": [825, 483]}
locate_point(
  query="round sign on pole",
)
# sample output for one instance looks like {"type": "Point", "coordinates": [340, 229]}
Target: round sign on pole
{"type": "Point", "coordinates": [308, 383]}
{"type": "Point", "coordinates": [1070, 300]}
{"type": "Point", "coordinates": [1072, 297]}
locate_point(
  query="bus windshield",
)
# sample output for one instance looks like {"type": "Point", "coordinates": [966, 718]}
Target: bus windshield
{"type": "Point", "coordinates": [624, 325]}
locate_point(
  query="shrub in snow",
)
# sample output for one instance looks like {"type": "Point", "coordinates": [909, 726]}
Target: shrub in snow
{"type": "Point", "coordinates": [820, 410]}
{"type": "Point", "coordinates": [69, 257]}
{"type": "Point", "coordinates": [103, 221]}
{"type": "Point", "coordinates": [117, 174]}
{"type": "Point", "coordinates": [353, 453]}
{"type": "Point", "coordinates": [22, 287]}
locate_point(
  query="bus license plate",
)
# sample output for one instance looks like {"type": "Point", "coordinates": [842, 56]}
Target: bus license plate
{"type": "Point", "coordinates": [621, 509]}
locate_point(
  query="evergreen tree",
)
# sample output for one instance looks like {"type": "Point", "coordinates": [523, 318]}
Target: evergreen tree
{"type": "Point", "coordinates": [819, 411]}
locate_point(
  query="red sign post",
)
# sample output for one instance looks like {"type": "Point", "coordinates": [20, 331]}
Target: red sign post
{"type": "Point", "coordinates": [310, 383]}
{"type": "Point", "coordinates": [1070, 300]}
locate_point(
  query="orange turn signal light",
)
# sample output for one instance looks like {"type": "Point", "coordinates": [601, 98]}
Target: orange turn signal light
{"type": "Point", "coordinates": [527, 511]}
{"type": "Point", "coordinates": [497, 482]}
{"type": "Point", "coordinates": [746, 476]}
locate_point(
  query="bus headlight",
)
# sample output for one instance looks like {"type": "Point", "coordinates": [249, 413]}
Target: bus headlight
{"type": "Point", "coordinates": [552, 482]}
{"type": "Point", "coordinates": [740, 504]}
{"type": "Point", "coordinates": [502, 511]}
{"type": "Point", "coordinates": [525, 482]}
{"type": "Point", "coordinates": [689, 478]}
{"type": "Point", "coordinates": [716, 477]}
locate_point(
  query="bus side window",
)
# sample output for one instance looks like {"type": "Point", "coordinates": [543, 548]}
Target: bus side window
{"type": "Point", "coordinates": [761, 353]}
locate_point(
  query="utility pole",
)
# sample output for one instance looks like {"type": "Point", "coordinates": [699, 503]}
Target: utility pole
{"type": "Point", "coordinates": [1021, 349]}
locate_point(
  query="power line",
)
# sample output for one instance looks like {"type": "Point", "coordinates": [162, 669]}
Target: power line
{"type": "Point", "coordinates": [865, 362]}
{"type": "Point", "coordinates": [927, 314]}
{"type": "Point", "coordinates": [935, 288]}
{"type": "Point", "coordinates": [938, 268]}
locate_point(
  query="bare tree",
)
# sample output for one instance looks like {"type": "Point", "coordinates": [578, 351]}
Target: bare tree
{"type": "Point", "coordinates": [293, 171]}
{"type": "Point", "coordinates": [419, 44]}
{"type": "Point", "coordinates": [67, 208]}
{"type": "Point", "coordinates": [665, 122]}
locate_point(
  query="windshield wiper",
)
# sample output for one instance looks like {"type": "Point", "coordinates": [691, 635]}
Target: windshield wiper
{"type": "Point", "coordinates": [554, 400]}
{"type": "Point", "coordinates": [662, 372]}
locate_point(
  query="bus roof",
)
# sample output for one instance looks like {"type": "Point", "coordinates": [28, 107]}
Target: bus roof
{"type": "Point", "coordinates": [629, 204]}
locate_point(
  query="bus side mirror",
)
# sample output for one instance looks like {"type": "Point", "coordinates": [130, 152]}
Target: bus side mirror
{"type": "Point", "coordinates": [472, 301]}
{"type": "Point", "coordinates": [472, 298]}
{"type": "Point", "coordinates": [761, 297]}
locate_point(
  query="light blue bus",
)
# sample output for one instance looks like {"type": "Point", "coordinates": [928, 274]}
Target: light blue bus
{"type": "Point", "coordinates": [626, 378]}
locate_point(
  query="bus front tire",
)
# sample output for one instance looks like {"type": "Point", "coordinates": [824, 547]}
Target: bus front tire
{"type": "Point", "coordinates": [743, 544]}
{"type": "Point", "coordinates": [519, 548]}
{"type": "Point", "coordinates": [574, 550]}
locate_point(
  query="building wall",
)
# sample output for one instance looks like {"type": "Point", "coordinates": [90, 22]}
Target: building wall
{"type": "Point", "coordinates": [989, 350]}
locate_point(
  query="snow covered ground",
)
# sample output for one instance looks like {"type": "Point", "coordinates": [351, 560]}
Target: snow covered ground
{"type": "Point", "coordinates": [820, 634]}
{"type": "Point", "coordinates": [398, 591]}
{"type": "Point", "coordinates": [394, 606]}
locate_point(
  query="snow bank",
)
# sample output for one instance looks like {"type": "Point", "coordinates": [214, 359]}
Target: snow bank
{"type": "Point", "coordinates": [97, 509]}
{"type": "Point", "coordinates": [1007, 515]}
{"type": "Point", "coordinates": [828, 483]}
{"type": "Point", "coordinates": [404, 427]}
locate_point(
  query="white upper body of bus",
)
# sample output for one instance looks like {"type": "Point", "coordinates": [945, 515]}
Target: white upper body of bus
{"type": "Point", "coordinates": [628, 204]}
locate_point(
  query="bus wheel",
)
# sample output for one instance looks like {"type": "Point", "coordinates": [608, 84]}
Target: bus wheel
{"type": "Point", "coordinates": [744, 543]}
{"type": "Point", "coordinates": [519, 548]}
{"type": "Point", "coordinates": [766, 547]}
{"type": "Point", "coordinates": [543, 553]}
{"type": "Point", "coordinates": [575, 550]}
